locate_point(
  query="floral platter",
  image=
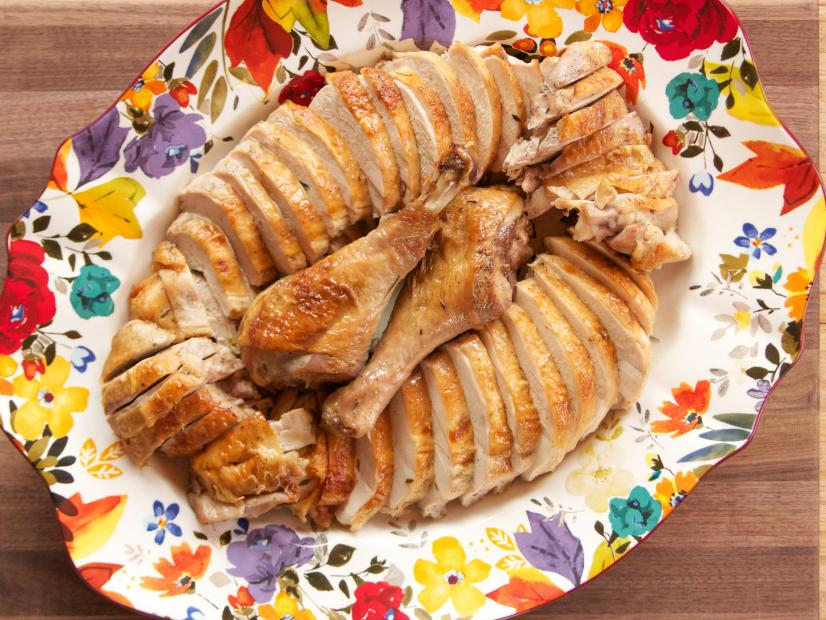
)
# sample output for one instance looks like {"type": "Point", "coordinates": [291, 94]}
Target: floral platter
{"type": "Point", "coordinates": [729, 328]}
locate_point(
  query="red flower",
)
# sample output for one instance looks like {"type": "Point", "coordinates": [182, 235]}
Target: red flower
{"type": "Point", "coordinates": [375, 601]}
{"type": "Point", "coordinates": [255, 39]}
{"type": "Point", "coordinates": [302, 88]}
{"type": "Point", "coordinates": [26, 301]}
{"type": "Point", "coordinates": [672, 140]}
{"type": "Point", "coordinates": [630, 69]}
{"type": "Point", "coordinates": [182, 91]}
{"type": "Point", "coordinates": [525, 45]}
{"type": "Point", "coordinates": [687, 412]}
{"type": "Point", "coordinates": [242, 599]}
{"type": "Point", "coordinates": [678, 27]}
{"type": "Point", "coordinates": [32, 366]}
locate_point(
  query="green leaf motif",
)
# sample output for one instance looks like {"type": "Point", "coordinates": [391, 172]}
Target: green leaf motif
{"type": "Point", "coordinates": [501, 35]}
{"type": "Point", "coordinates": [725, 434]}
{"type": "Point", "coordinates": [52, 249]}
{"type": "Point", "coordinates": [201, 54]}
{"type": "Point", "coordinates": [579, 35]}
{"type": "Point", "coordinates": [200, 29]}
{"type": "Point", "coordinates": [709, 453]}
{"type": "Point", "coordinates": [206, 83]}
{"type": "Point", "coordinates": [340, 555]}
{"type": "Point", "coordinates": [218, 99]}
{"type": "Point", "coordinates": [740, 420]}
{"type": "Point", "coordinates": [319, 581]}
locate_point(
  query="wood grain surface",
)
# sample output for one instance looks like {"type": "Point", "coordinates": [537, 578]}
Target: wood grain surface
{"type": "Point", "coordinates": [744, 545]}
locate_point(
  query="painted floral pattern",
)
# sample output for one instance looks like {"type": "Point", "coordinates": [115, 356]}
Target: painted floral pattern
{"type": "Point", "coordinates": [757, 209]}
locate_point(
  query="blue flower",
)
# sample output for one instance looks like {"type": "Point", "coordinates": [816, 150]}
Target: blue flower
{"type": "Point", "coordinates": [163, 521]}
{"type": "Point", "coordinates": [39, 207]}
{"type": "Point", "coordinates": [702, 182]}
{"type": "Point", "coordinates": [692, 93]}
{"type": "Point", "coordinates": [756, 241]}
{"type": "Point", "coordinates": [92, 292]}
{"type": "Point", "coordinates": [82, 357]}
{"type": "Point", "coordinates": [191, 611]}
{"type": "Point", "coordinates": [635, 515]}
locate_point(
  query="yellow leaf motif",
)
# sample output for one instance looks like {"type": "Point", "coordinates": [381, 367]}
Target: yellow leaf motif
{"type": "Point", "coordinates": [104, 471]}
{"type": "Point", "coordinates": [88, 452]}
{"type": "Point", "coordinates": [510, 563]}
{"type": "Point", "coordinates": [500, 538]}
{"type": "Point", "coordinates": [749, 103]}
{"type": "Point", "coordinates": [110, 208]}
{"type": "Point", "coordinates": [605, 555]}
{"type": "Point", "coordinates": [113, 452]}
{"type": "Point", "coordinates": [286, 12]}
{"type": "Point", "coordinates": [813, 234]}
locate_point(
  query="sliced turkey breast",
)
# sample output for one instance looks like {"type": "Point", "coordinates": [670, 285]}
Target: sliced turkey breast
{"type": "Point", "coordinates": [483, 91]}
{"type": "Point", "coordinates": [206, 409]}
{"type": "Point", "coordinates": [310, 491]}
{"type": "Point", "coordinates": [214, 199]}
{"type": "Point", "coordinates": [208, 251]}
{"type": "Point", "coordinates": [296, 429]}
{"type": "Point", "coordinates": [640, 278]}
{"type": "Point", "coordinates": [452, 435]}
{"type": "Point", "coordinates": [133, 342]}
{"type": "Point", "coordinates": [553, 105]}
{"type": "Point", "coordinates": [608, 273]}
{"type": "Point", "coordinates": [431, 125]}
{"type": "Point", "coordinates": [530, 81]}
{"type": "Point", "coordinates": [347, 106]}
{"type": "Point", "coordinates": [590, 332]}
{"type": "Point", "coordinates": [513, 112]}
{"type": "Point", "coordinates": [339, 482]}
{"type": "Point", "coordinates": [332, 148]}
{"type": "Point", "coordinates": [570, 355]}
{"type": "Point", "coordinates": [158, 401]}
{"type": "Point", "coordinates": [389, 101]}
{"type": "Point", "coordinates": [223, 328]}
{"type": "Point", "coordinates": [568, 130]}
{"type": "Point", "coordinates": [374, 475]}
{"type": "Point", "coordinates": [177, 281]}
{"type": "Point", "coordinates": [411, 422]}
{"type": "Point", "coordinates": [209, 510]}
{"type": "Point", "coordinates": [458, 104]}
{"type": "Point", "coordinates": [278, 237]}
{"type": "Point", "coordinates": [492, 467]}
{"type": "Point", "coordinates": [651, 184]}
{"type": "Point", "coordinates": [308, 223]}
{"type": "Point", "coordinates": [522, 416]}
{"type": "Point", "coordinates": [548, 391]}
{"type": "Point", "coordinates": [308, 168]}
{"type": "Point", "coordinates": [135, 381]}
{"type": "Point", "coordinates": [149, 302]}
{"type": "Point", "coordinates": [630, 341]}
{"type": "Point", "coordinates": [576, 61]}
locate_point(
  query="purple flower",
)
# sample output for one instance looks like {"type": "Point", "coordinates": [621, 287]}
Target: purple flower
{"type": "Point", "coordinates": [264, 554]}
{"type": "Point", "coordinates": [168, 141]}
{"type": "Point", "coordinates": [756, 241]}
{"type": "Point", "coordinates": [760, 393]}
{"type": "Point", "coordinates": [162, 521]}
{"type": "Point", "coordinates": [551, 546]}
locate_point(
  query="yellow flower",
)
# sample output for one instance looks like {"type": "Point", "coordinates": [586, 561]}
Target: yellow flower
{"type": "Point", "coordinates": [450, 578]}
{"type": "Point", "coordinates": [742, 318]}
{"type": "Point", "coordinates": [672, 492]}
{"type": "Point", "coordinates": [543, 20]}
{"type": "Point", "coordinates": [146, 87]}
{"type": "Point", "coordinates": [598, 478]}
{"type": "Point", "coordinates": [47, 402]}
{"type": "Point", "coordinates": [609, 12]}
{"type": "Point", "coordinates": [798, 285]}
{"type": "Point", "coordinates": [285, 608]}
{"type": "Point", "coordinates": [7, 368]}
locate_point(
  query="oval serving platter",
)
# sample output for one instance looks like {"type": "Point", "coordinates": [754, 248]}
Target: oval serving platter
{"type": "Point", "coordinates": [753, 212]}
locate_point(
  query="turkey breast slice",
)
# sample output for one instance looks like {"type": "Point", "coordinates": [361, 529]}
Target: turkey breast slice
{"type": "Point", "coordinates": [177, 281]}
{"type": "Point", "coordinates": [332, 148]}
{"type": "Point", "coordinates": [522, 416]}
{"type": "Point", "coordinates": [132, 383]}
{"type": "Point", "coordinates": [347, 106]}
{"type": "Point", "coordinates": [149, 302]}
{"type": "Point", "coordinates": [651, 184]}
{"type": "Point", "coordinates": [214, 199]}
{"type": "Point", "coordinates": [208, 251]}
{"type": "Point", "coordinates": [431, 125]}
{"type": "Point", "coordinates": [310, 492]}
{"type": "Point", "coordinates": [134, 341]}
{"type": "Point", "coordinates": [452, 435]}
{"type": "Point", "coordinates": [308, 168]}
{"type": "Point", "coordinates": [530, 81]}
{"type": "Point", "coordinates": [578, 60]}
{"type": "Point", "coordinates": [484, 93]}
{"type": "Point", "coordinates": [570, 355]}
{"type": "Point", "coordinates": [458, 104]}
{"type": "Point", "coordinates": [296, 429]}
{"type": "Point", "coordinates": [280, 241]}
{"type": "Point", "coordinates": [223, 328]}
{"type": "Point", "coordinates": [209, 510]}
{"type": "Point", "coordinates": [640, 278]}
{"type": "Point", "coordinates": [388, 100]}
{"type": "Point", "coordinates": [513, 111]}
{"type": "Point", "coordinates": [548, 391]}
{"type": "Point", "coordinates": [590, 332]}
{"type": "Point", "coordinates": [305, 221]}
{"type": "Point", "coordinates": [374, 475]}
{"type": "Point", "coordinates": [492, 467]}
{"type": "Point", "coordinates": [632, 345]}
{"type": "Point", "coordinates": [411, 422]}
{"type": "Point", "coordinates": [339, 482]}
{"type": "Point", "coordinates": [608, 273]}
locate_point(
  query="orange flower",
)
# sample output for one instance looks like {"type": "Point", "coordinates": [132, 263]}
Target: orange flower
{"type": "Point", "coordinates": [686, 413]}
{"type": "Point", "coordinates": [798, 284]}
{"type": "Point", "coordinates": [179, 575]}
{"type": "Point", "coordinates": [241, 600]}
{"type": "Point", "coordinates": [87, 526]}
{"type": "Point", "coordinates": [149, 84]}
{"type": "Point", "coordinates": [671, 492]}
{"type": "Point", "coordinates": [632, 72]}
{"type": "Point", "coordinates": [609, 12]}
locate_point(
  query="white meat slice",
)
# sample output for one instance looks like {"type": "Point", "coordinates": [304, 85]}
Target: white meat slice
{"type": "Point", "coordinates": [530, 81]}
{"type": "Point", "coordinates": [296, 429]}
{"type": "Point", "coordinates": [513, 111]}
{"type": "Point", "coordinates": [223, 328]}
{"type": "Point", "coordinates": [578, 60]}
{"type": "Point", "coordinates": [134, 341]}
{"type": "Point", "coordinates": [170, 264]}
{"type": "Point", "coordinates": [640, 278]}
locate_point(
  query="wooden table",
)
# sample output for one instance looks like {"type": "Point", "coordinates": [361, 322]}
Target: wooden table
{"type": "Point", "coordinates": [745, 545]}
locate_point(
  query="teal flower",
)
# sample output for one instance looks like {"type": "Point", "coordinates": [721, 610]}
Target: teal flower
{"type": "Point", "coordinates": [634, 515]}
{"type": "Point", "coordinates": [92, 292]}
{"type": "Point", "coordinates": [692, 93]}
